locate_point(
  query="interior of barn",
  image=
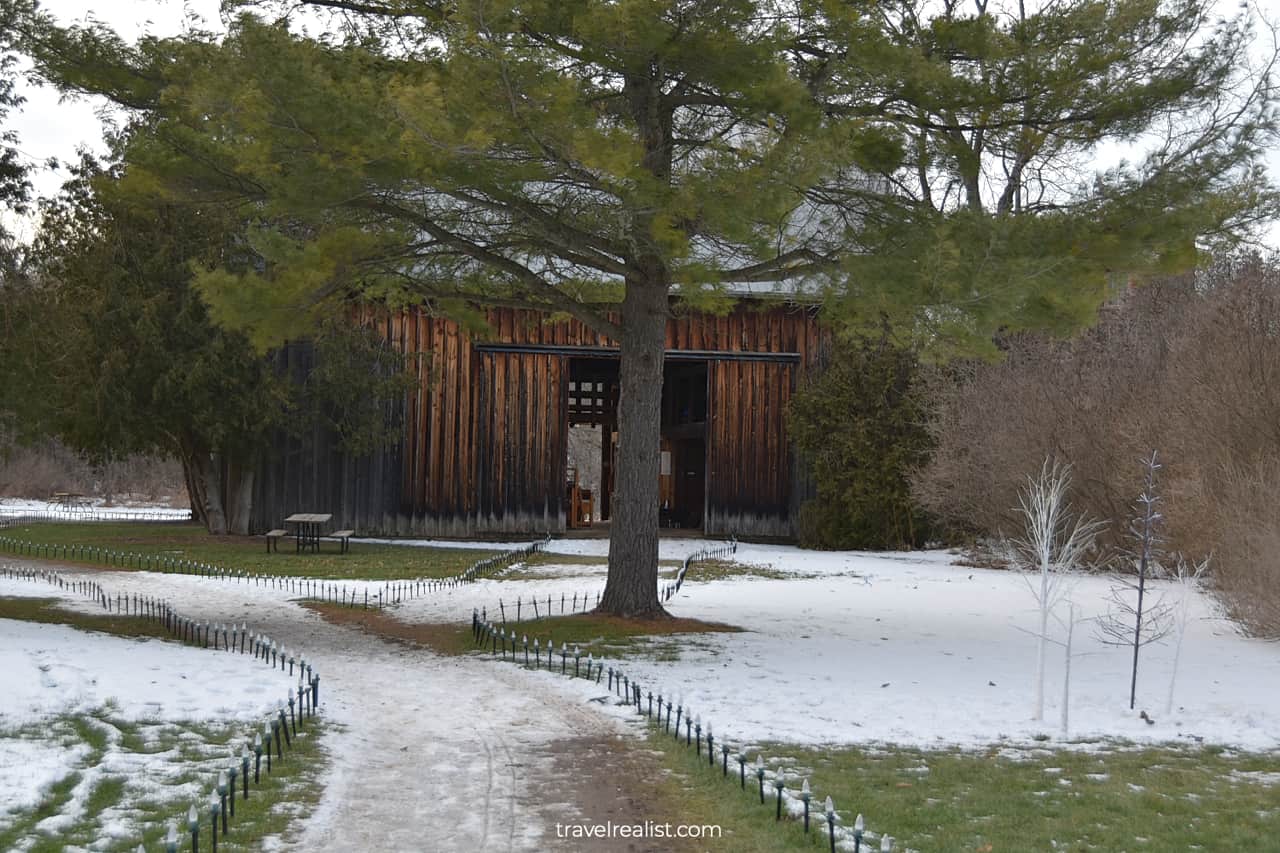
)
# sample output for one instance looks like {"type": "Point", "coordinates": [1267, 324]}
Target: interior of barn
{"type": "Point", "coordinates": [591, 414]}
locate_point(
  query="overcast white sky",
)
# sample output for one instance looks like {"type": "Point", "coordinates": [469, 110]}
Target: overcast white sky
{"type": "Point", "coordinates": [50, 127]}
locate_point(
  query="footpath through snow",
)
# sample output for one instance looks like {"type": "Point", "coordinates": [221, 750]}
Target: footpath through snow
{"type": "Point", "coordinates": [426, 752]}
{"type": "Point", "coordinates": [458, 753]}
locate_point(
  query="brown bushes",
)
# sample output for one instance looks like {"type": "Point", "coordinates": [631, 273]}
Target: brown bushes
{"type": "Point", "coordinates": [1188, 366]}
{"type": "Point", "coordinates": [39, 471]}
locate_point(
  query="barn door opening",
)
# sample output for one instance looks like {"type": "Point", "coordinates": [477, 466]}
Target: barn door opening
{"type": "Point", "coordinates": [683, 477]}
{"type": "Point", "coordinates": [591, 414]}
{"type": "Point", "coordinates": [592, 417]}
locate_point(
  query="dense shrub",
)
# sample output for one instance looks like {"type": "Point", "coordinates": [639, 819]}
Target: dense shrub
{"type": "Point", "coordinates": [1188, 366]}
{"type": "Point", "coordinates": [859, 424]}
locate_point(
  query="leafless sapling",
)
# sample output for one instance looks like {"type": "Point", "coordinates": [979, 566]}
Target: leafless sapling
{"type": "Point", "coordinates": [1054, 541]}
{"type": "Point", "coordinates": [1131, 619]}
{"type": "Point", "coordinates": [1187, 577]}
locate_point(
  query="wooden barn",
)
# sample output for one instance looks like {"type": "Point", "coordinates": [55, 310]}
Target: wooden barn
{"type": "Point", "coordinates": [484, 446]}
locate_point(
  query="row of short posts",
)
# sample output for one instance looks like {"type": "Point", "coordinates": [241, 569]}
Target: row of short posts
{"type": "Point", "coordinates": [489, 565]}
{"type": "Point", "coordinates": [727, 550]}
{"type": "Point", "coordinates": [281, 728]}
{"type": "Point", "coordinates": [577, 603]}
{"type": "Point", "coordinates": [143, 606]}
{"type": "Point", "coordinates": [89, 515]}
{"type": "Point", "coordinates": [117, 559]}
{"type": "Point", "coordinates": [659, 711]}
{"type": "Point", "coordinates": [503, 642]}
{"type": "Point", "coordinates": [329, 592]}
{"type": "Point", "coordinates": [693, 736]}
{"type": "Point", "coordinates": [222, 799]}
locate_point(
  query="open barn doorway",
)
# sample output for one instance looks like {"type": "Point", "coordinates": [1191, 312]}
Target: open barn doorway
{"type": "Point", "coordinates": [591, 416]}
{"type": "Point", "coordinates": [683, 470]}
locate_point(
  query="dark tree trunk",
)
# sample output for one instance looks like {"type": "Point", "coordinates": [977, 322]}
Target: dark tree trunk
{"type": "Point", "coordinates": [632, 587]}
{"type": "Point", "coordinates": [203, 473]}
{"type": "Point", "coordinates": [195, 486]}
{"type": "Point", "coordinates": [240, 491]}
{"type": "Point", "coordinates": [214, 503]}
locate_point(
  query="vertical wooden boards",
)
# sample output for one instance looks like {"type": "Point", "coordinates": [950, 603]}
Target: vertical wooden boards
{"type": "Point", "coordinates": [484, 432]}
{"type": "Point", "coordinates": [748, 471]}
{"type": "Point", "coordinates": [520, 450]}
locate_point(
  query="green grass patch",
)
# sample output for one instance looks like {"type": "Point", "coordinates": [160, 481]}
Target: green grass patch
{"type": "Point", "coordinates": [49, 611]}
{"type": "Point", "coordinates": [1114, 797]}
{"type": "Point", "coordinates": [614, 636]}
{"type": "Point", "coordinates": [718, 570]}
{"type": "Point", "coordinates": [602, 636]}
{"type": "Point", "coordinates": [191, 541]}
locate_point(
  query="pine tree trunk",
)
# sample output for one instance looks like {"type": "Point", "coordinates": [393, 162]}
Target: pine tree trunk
{"type": "Point", "coordinates": [632, 586]}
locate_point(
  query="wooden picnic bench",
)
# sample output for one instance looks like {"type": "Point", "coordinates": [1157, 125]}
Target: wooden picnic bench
{"type": "Point", "coordinates": [307, 533]}
{"type": "Point", "coordinates": [343, 537]}
{"type": "Point", "coordinates": [274, 537]}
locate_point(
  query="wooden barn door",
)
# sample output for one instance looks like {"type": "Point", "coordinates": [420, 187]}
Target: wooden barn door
{"type": "Point", "coordinates": [520, 436]}
{"type": "Point", "coordinates": [748, 455]}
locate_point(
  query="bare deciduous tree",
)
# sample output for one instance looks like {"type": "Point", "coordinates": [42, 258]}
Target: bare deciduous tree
{"type": "Point", "coordinates": [1188, 577]}
{"type": "Point", "coordinates": [1189, 364]}
{"type": "Point", "coordinates": [1054, 541]}
{"type": "Point", "coordinates": [1130, 619]}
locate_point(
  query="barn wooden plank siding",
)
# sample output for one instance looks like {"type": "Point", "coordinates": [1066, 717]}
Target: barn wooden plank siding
{"type": "Point", "coordinates": [484, 434]}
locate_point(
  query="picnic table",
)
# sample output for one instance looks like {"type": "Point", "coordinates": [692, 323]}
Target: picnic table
{"type": "Point", "coordinates": [307, 528]}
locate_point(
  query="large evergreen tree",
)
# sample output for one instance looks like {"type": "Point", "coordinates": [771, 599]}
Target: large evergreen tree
{"type": "Point", "coordinates": [1050, 149]}
{"type": "Point", "coordinates": [126, 357]}
{"type": "Point", "coordinates": [593, 156]}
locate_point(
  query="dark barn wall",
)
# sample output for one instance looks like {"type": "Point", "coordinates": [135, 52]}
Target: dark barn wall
{"type": "Point", "coordinates": [521, 435]}
{"type": "Point", "coordinates": [306, 470]}
{"type": "Point", "coordinates": [749, 466]}
{"type": "Point", "coordinates": [484, 436]}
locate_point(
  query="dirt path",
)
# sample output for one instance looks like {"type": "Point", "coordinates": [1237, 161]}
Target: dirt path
{"type": "Point", "coordinates": [429, 752]}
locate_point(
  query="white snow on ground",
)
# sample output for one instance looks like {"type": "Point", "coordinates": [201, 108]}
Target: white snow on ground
{"type": "Point", "coordinates": [423, 749]}
{"type": "Point", "coordinates": [676, 548]}
{"type": "Point", "coordinates": [90, 508]}
{"type": "Point", "coordinates": [909, 649]}
{"type": "Point", "coordinates": [54, 669]}
{"type": "Point", "coordinates": [28, 767]}
{"type": "Point", "coordinates": [851, 647]}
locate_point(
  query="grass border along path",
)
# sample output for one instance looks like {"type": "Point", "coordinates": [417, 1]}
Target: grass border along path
{"type": "Point", "coordinates": [1109, 796]}
{"type": "Point", "coordinates": [602, 636]}
{"type": "Point", "coordinates": [83, 543]}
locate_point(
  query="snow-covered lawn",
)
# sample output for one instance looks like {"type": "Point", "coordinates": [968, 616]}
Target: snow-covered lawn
{"type": "Point", "coordinates": [668, 549]}
{"type": "Point", "coordinates": [52, 670]}
{"type": "Point", "coordinates": [889, 650]}
{"type": "Point", "coordinates": [114, 733]}
{"type": "Point", "coordinates": [90, 508]}
{"type": "Point", "coordinates": [914, 650]}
